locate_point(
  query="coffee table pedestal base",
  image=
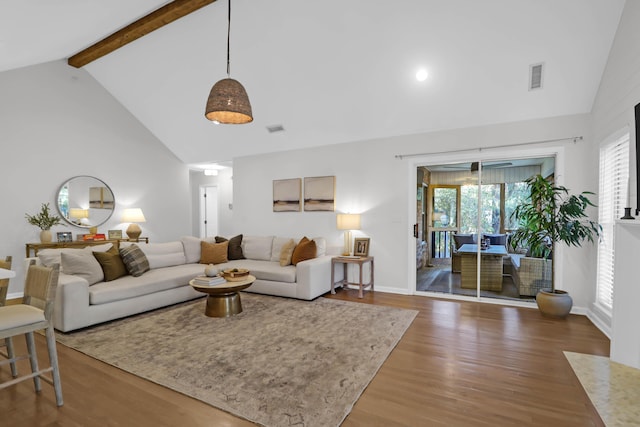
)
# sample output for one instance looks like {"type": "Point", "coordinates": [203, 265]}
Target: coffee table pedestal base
{"type": "Point", "coordinates": [223, 305]}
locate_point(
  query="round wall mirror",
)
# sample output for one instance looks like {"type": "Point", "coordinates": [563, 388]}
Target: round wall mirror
{"type": "Point", "coordinates": [85, 201]}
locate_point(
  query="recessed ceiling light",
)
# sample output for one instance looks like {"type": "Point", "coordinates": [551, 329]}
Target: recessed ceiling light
{"type": "Point", "coordinates": [422, 75]}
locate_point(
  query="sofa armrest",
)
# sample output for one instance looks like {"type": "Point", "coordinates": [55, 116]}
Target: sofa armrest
{"type": "Point", "coordinates": [313, 277]}
{"type": "Point", "coordinates": [72, 303]}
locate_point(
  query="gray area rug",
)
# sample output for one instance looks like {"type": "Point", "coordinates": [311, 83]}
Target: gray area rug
{"type": "Point", "coordinates": [280, 362]}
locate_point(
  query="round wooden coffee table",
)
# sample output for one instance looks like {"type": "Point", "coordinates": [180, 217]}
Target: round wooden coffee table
{"type": "Point", "coordinates": [223, 300]}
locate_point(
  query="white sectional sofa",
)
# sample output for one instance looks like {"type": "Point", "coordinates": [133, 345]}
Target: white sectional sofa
{"type": "Point", "coordinates": [82, 300]}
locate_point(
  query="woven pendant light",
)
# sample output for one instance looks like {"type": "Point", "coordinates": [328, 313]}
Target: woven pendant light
{"type": "Point", "coordinates": [228, 102]}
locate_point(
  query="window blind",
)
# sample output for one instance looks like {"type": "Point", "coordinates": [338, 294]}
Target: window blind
{"type": "Point", "coordinates": [613, 194]}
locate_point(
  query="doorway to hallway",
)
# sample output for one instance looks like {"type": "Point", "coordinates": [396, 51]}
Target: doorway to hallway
{"type": "Point", "coordinates": [208, 211]}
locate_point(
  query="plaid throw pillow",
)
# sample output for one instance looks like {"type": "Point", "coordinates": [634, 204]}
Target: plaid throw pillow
{"type": "Point", "coordinates": [135, 260]}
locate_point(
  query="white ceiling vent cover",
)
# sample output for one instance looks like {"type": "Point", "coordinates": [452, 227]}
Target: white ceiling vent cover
{"type": "Point", "coordinates": [275, 128]}
{"type": "Point", "coordinates": [536, 76]}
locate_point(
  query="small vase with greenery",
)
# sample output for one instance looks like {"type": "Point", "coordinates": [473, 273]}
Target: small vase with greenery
{"type": "Point", "coordinates": [551, 216]}
{"type": "Point", "coordinates": [44, 220]}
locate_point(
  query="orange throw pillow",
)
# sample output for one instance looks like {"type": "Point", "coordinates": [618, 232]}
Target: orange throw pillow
{"type": "Point", "coordinates": [306, 249]}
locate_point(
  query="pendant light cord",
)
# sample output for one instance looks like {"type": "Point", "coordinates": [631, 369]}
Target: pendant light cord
{"type": "Point", "coordinates": [228, 37]}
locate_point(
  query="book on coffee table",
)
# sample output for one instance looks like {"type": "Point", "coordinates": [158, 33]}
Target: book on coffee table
{"type": "Point", "coordinates": [209, 281]}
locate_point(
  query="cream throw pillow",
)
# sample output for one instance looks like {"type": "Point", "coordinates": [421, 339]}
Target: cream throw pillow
{"type": "Point", "coordinates": [286, 252]}
{"type": "Point", "coordinates": [83, 264]}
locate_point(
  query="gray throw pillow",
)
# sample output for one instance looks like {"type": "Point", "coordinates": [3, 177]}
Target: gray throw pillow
{"type": "Point", "coordinates": [496, 239]}
{"type": "Point", "coordinates": [135, 260]}
{"type": "Point", "coordinates": [463, 239]}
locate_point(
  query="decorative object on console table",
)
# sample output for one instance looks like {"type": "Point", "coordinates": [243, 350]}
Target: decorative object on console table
{"type": "Point", "coordinates": [347, 222]}
{"type": "Point", "coordinates": [133, 215]}
{"type": "Point", "coordinates": [65, 236]}
{"type": "Point", "coordinates": [361, 246]}
{"type": "Point", "coordinates": [44, 220]}
{"type": "Point", "coordinates": [79, 216]}
{"type": "Point", "coordinates": [114, 234]}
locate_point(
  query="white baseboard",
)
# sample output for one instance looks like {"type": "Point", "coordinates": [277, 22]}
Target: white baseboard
{"type": "Point", "coordinates": [601, 322]}
{"type": "Point", "coordinates": [15, 295]}
{"type": "Point", "coordinates": [388, 290]}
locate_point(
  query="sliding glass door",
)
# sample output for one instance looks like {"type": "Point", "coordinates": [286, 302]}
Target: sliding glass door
{"type": "Point", "coordinates": [468, 208]}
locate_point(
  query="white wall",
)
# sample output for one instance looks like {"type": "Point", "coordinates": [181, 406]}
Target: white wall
{"type": "Point", "coordinates": [613, 108]}
{"type": "Point", "coordinates": [57, 122]}
{"type": "Point", "coordinates": [372, 181]}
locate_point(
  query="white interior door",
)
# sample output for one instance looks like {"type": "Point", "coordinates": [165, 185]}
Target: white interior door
{"type": "Point", "coordinates": [208, 211]}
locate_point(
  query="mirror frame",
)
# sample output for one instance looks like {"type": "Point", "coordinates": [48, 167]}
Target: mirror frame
{"type": "Point", "coordinates": [68, 220]}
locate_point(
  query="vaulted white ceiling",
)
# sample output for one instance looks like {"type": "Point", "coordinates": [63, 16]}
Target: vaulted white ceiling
{"type": "Point", "coordinates": [329, 71]}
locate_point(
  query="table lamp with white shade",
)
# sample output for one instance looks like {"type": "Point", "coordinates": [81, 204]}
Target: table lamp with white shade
{"type": "Point", "coordinates": [348, 222]}
{"type": "Point", "coordinates": [134, 216]}
{"type": "Point", "coordinates": [79, 215]}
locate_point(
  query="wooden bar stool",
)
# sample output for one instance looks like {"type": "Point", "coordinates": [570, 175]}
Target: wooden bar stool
{"type": "Point", "coordinates": [8, 343]}
{"type": "Point", "coordinates": [35, 313]}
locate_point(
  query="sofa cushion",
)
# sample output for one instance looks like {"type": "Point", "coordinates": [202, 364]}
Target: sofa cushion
{"type": "Point", "coordinates": [135, 260]}
{"type": "Point", "coordinates": [321, 246]}
{"type": "Point", "coordinates": [257, 247]}
{"type": "Point", "coordinates": [111, 263]}
{"type": "Point", "coordinates": [213, 253]}
{"type": "Point", "coordinates": [164, 254]}
{"type": "Point", "coordinates": [515, 260]}
{"type": "Point", "coordinates": [235, 246]}
{"type": "Point", "coordinates": [276, 247]}
{"type": "Point", "coordinates": [496, 239]}
{"type": "Point", "coordinates": [286, 252]}
{"type": "Point", "coordinates": [152, 282]}
{"type": "Point", "coordinates": [84, 264]}
{"type": "Point", "coordinates": [265, 270]}
{"type": "Point", "coordinates": [191, 246]}
{"type": "Point", "coordinates": [305, 249]}
{"type": "Point", "coordinates": [463, 239]}
{"type": "Point", "coordinates": [48, 257]}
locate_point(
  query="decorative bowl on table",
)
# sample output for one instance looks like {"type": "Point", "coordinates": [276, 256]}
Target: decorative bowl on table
{"type": "Point", "coordinates": [235, 274]}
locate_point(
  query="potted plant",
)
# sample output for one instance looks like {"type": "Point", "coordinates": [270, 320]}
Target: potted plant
{"type": "Point", "coordinates": [44, 220]}
{"type": "Point", "coordinates": [552, 216]}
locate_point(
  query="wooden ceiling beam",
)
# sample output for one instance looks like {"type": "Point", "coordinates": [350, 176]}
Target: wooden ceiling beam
{"type": "Point", "coordinates": [143, 26]}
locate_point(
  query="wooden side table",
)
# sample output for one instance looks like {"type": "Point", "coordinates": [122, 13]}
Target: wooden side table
{"type": "Point", "coordinates": [345, 261]}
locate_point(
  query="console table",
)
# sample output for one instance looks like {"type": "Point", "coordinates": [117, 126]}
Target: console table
{"type": "Point", "coordinates": [35, 247]}
{"type": "Point", "coordinates": [360, 261]}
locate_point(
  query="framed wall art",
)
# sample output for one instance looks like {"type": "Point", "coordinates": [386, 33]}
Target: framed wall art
{"type": "Point", "coordinates": [286, 195]}
{"type": "Point", "coordinates": [361, 246]}
{"type": "Point", "coordinates": [319, 193]}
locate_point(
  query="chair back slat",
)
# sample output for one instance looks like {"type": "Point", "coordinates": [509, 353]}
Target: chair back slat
{"type": "Point", "coordinates": [40, 287]}
{"type": "Point", "coordinates": [4, 283]}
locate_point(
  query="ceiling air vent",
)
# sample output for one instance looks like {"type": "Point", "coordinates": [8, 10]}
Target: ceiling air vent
{"type": "Point", "coordinates": [275, 128]}
{"type": "Point", "coordinates": [535, 76]}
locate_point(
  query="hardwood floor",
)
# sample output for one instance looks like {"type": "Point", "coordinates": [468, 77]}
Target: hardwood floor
{"type": "Point", "coordinates": [459, 364]}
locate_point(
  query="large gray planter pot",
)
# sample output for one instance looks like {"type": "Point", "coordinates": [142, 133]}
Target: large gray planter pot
{"type": "Point", "coordinates": [554, 304]}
